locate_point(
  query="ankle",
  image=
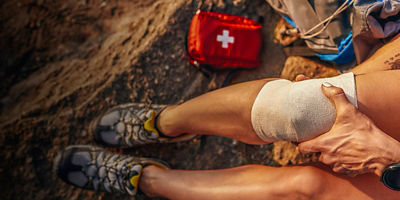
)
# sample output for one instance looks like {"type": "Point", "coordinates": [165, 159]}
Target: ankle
{"type": "Point", "coordinates": [165, 120]}
{"type": "Point", "coordinates": [150, 179]}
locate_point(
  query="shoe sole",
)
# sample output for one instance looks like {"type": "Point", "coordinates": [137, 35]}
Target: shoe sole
{"type": "Point", "coordinates": [144, 161]}
{"type": "Point", "coordinates": [60, 155]}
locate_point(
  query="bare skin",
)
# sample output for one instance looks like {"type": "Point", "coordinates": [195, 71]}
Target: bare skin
{"type": "Point", "coordinates": [355, 144]}
{"type": "Point", "coordinates": [385, 58]}
{"type": "Point", "coordinates": [262, 182]}
{"type": "Point", "coordinates": [226, 112]}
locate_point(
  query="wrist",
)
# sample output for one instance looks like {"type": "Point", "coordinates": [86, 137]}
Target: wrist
{"type": "Point", "coordinates": [396, 152]}
{"type": "Point", "coordinates": [390, 175]}
{"type": "Point", "coordinates": [388, 153]}
{"type": "Point", "coordinates": [393, 148]}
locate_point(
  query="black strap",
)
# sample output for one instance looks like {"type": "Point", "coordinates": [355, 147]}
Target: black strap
{"type": "Point", "coordinates": [202, 6]}
{"type": "Point", "coordinates": [200, 67]}
{"type": "Point", "coordinates": [229, 77]}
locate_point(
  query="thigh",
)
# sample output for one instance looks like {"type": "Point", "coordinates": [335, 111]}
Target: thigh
{"type": "Point", "coordinates": [339, 186]}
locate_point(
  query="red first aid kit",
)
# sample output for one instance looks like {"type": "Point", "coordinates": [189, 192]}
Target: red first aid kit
{"type": "Point", "coordinates": [224, 41]}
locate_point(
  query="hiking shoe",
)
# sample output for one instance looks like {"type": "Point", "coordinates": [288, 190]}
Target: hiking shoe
{"type": "Point", "coordinates": [129, 125]}
{"type": "Point", "coordinates": [94, 168]}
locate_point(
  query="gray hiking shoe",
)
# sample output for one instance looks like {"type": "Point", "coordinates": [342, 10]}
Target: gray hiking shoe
{"type": "Point", "coordinates": [129, 125]}
{"type": "Point", "coordinates": [94, 168]}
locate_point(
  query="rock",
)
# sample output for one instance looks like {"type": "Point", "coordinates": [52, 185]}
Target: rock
{"type": "Point", "coordinates": [286, 153]}
{"type": "Point", "coordinates": [296, 65]}
{"type": "Point", "coordinates": [280, 35]}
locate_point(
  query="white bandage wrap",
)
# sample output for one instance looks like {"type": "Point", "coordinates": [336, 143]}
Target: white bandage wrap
{"type": "Point", "coordinates": [297, 111]}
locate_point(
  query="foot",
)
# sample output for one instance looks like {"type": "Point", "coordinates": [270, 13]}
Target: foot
{"type": "Point", "coordinates": [129, 125]}
{"type": "Point", "coordinates": [94, 168]}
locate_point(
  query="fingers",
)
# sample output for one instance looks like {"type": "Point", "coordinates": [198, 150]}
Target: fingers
{"type": "Point", "coordinates": [327, 159]}
{"type": "Point", "coordinates": [377, 169]}
{"type": "Point", "coordinates": [349, 169]}
{"type": "Point", "coordinates": [307, 147]}
{"type": "Point", "coordinates": [338, 168]}
{"type": "Point", "coordinates": [301, 77]}
{"type": "Point", "coordinates": [378, 172]}
{"type": "Point", "coordinates": [351, 173]}
{"type": "Point", "coordinates": [338, 98]}
{"type": "Point", "coordinates": [311, 146]}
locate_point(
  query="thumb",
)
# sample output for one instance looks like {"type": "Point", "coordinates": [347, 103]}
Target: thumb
{"type": "Point", "coordinates": [338, 99]}
{"type": "Point", "coordinates": [301, 77]}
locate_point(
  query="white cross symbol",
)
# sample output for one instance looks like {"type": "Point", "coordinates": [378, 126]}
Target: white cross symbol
{"type": "Point", "coordinates": [225, 39]}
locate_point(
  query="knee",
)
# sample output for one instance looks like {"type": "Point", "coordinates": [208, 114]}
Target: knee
{"type": "Point", "coordinates": [308, 182]}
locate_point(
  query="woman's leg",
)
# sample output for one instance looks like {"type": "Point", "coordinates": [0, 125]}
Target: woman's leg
{"type": "Point", "coordinates": [223, 112]}
{"type": "Point", "coordinates": [261, 182]}
{"type": "Point", "coordinates": [227, 111]}
{"type": "Point", "coordinates": [385, 58]}
{"type": "Point", "coordinates": [378, 96]}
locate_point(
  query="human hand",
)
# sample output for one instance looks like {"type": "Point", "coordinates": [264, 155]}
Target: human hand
{"type": "Point", "coordinates": [354, 145]}
{"type": "Point", "coordinates": [301, 77]}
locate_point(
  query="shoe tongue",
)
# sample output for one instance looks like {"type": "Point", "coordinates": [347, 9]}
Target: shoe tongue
{"type": "Point", "coordinates": [134, 180]}
{"type": "Point", "coordinates": [149, 126]}
{"type": "Point", "coordinates": [134, 175]}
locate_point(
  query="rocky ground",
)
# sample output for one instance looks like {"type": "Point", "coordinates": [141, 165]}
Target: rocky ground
{"type": "Point", "coordinates": [65, 62]}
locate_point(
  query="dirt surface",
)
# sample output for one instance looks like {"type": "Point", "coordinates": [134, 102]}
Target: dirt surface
{"type": "Point", "coordinates": [65, 62]}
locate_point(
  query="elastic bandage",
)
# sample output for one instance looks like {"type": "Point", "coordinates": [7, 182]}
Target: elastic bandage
{"type": "Point", "coordinates": [297, 111]}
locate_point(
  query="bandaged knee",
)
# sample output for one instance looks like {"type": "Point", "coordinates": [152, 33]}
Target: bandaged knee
{"type": "Point", "coordinates": [297, 111]}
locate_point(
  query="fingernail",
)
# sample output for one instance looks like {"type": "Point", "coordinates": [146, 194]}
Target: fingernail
{"type": "Point", "coordinates": [326, 84]}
